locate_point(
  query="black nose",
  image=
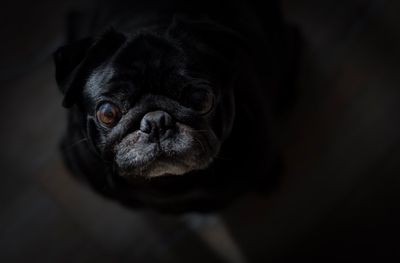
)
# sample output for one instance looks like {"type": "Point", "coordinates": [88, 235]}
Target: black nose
{"type": "Point", "coordinates": [156, 123]}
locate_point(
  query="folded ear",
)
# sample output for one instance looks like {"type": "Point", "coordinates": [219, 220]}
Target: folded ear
{"type": "Point", "coordinates": [75, 62]}
{"type": "Point", "coordinates": [67, 58]}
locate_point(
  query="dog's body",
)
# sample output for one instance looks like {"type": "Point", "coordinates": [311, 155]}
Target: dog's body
{"type": "Point", "coordinates": [172, 103]}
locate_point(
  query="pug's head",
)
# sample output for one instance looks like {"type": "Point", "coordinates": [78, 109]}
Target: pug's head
{"type": "Point", "coordinates": [151, 104]}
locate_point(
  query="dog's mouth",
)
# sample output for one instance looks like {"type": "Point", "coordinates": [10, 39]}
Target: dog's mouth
{"type": "Point", "coordinates": [178, 151]}
{"type": "Point", "coordinates": [149, 160]}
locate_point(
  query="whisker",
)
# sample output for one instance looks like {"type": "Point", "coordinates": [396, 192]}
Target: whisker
{"type": "Point", "coordinates": [200, 130]}
{"type": "Point", "coordinates": [201, 144]}
{"type": "Point", "coordinates": [76, 143]}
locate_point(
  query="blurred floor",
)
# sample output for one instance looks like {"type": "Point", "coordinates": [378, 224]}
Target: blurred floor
{"type": "Point", "coordinates": [339, 199]}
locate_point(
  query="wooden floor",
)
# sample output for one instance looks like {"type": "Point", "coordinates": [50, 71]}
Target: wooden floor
{"type": "Point", "coordinates": [339, 199]}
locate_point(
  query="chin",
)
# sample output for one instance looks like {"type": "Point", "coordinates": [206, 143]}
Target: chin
{"type": "Point", "coordinates": [178, 150]}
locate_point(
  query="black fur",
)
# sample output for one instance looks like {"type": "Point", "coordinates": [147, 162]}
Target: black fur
{"type": "Point", "coordinates": [156, 57]}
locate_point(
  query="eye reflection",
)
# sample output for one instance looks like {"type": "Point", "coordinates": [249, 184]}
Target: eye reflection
{"type": "Point", "coordinates": [108, 114]}
{"type": "Point", "coordinates": [203, 100]}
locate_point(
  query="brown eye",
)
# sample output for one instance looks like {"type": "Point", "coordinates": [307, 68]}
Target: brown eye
{"type": "Point", "coordinates": [203, 100]}
{"type": "Point", "coordinates": [108, 114]}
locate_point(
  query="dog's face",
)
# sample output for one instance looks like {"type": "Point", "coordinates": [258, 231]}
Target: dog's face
{"type": "Point", "coordinates": [150, 106]}
{"type": "Point", "coordinates": [149, 116]}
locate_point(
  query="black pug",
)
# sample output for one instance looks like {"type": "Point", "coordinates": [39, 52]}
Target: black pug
{"type": "Point", "coordinates": [173, 104]}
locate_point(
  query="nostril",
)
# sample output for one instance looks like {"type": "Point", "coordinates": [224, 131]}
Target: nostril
{"type": "Point", "coordinates": [168, 121]}
{"type": "Point", "coordinates": [145, 126]}
{"type": "Point", "coordinates": [161, 123]}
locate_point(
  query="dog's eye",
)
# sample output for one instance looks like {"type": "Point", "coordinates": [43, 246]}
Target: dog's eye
{"type": "Point", "coordinates": [203, 100]}
{"type": "Point", "coordinates": [108, 114]}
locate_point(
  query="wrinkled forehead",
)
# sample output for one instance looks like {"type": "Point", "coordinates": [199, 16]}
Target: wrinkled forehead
{"type": "Point", "coordinates": [144, 64]}
{"type": "Point", "coordinates": [110, 83]}
{"type": "Point", "coordinates": [97, 83]}
{"type": "Point", "coordinates": [125, 85]}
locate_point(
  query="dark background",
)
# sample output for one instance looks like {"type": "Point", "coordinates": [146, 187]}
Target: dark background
{"type": "Point", "coordinates": [339, 197]}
